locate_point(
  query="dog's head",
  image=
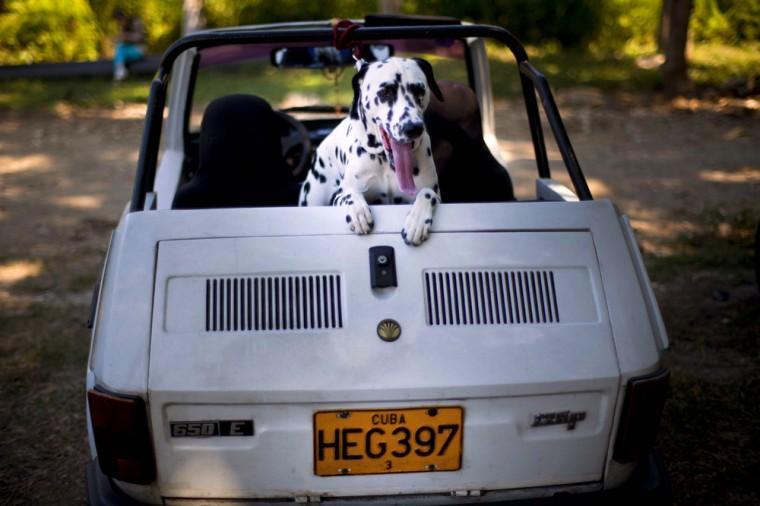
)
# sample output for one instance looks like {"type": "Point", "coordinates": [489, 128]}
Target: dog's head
{"type": "Point", "coordinates": [392, 95]}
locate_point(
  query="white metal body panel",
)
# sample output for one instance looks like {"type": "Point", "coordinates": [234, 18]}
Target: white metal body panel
{"type": "Point", "coordinates": [501, 451]}
{"type": "Point", "coordinates": [623, 336]}
{"type": "Point", "coordinates": [539, 354]}
{"type": "Point", "coordinates": [173, 152]}
{"type": "Point", "coordinates": [502, 374]}
{"type": "Point", "coordinates": [124, 313]}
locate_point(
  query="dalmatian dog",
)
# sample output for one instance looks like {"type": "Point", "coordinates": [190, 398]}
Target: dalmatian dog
{"type": "Point", "coordinates": [380, 154]}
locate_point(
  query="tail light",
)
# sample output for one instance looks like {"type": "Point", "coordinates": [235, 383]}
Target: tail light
{"type": "Point", "coordinates": [640, 418]}
{"type": "Point", "coordinates": [122, 438]}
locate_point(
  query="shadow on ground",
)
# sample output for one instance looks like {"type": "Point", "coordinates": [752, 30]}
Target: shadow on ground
{"type": "Point", "coordinates": [64, 179]}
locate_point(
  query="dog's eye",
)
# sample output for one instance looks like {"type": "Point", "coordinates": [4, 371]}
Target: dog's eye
{"type": "Point", "coordinates": [416, 89]}
{"type": "Point", "coordinates": [387, 93]}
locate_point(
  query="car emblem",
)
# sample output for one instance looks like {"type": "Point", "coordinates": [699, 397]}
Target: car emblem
{"type": "Point", "coordinates": [567, 418]}
{"type": "Point", "coordinates": [388, 330]}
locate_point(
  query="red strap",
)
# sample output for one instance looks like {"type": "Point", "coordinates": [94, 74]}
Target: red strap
{"type": "Point", "coordinates": [342, 35]}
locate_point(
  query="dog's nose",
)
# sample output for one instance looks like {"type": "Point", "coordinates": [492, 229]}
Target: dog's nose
{"type": "Point", "coordinates": [413, 130]}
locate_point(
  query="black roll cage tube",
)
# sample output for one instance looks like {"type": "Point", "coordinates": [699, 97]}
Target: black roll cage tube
{"type": "Point", "coordinates": [531, 79]}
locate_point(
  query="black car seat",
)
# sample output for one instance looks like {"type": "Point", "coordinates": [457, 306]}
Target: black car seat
{"type": "Point", "coordinates": [240, 158]}
{"type": "Point", "coordinates": [467, 171]}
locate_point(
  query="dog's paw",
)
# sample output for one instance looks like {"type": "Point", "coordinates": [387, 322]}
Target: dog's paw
{"type": "Point", "coordinates": [417, 224]}
{"type": "Point", "coordinates": [415, 233]}
{"type": "Point", "coordinates": [359, 217]}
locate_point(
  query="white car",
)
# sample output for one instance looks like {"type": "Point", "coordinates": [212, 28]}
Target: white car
{"type": "Point", "coordinates": [268, 354]}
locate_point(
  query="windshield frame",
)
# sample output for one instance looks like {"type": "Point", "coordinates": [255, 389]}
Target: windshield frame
{"type": "Point", "coordinates": [209, 61]}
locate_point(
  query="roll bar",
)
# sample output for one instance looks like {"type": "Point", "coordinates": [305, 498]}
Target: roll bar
{"type": "Point", "coordinates": [531, 79]}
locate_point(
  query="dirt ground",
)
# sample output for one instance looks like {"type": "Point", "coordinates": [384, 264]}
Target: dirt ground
{"type": "Point", "coordinates": [687, 173]}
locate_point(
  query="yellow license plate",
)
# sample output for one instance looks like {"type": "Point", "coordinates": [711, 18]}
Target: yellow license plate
{"type": "Point", "coordinates": [381, 441]}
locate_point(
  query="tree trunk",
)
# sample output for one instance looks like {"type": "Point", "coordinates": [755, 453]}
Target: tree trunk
{"type": "Point", "coordinates": [663, 25]}
{"type": "Point", "coordinates": [389, 6]}
{"type": "Point", "coordinates": [675, 28]}
{"type": "Point", "coordinates": [192, 16]}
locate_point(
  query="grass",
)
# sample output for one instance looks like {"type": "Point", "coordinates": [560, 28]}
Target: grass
{"type": "Point", "coordinates": [49, 337]}
{"type": "Point", "coordinates": [42, 409]}
{"type": "Point", "coordinates": [714, 64]}
{"type": "Point", "coordinates": [723, 243]}
{"type": "Point", "coordinates": [711, 66]}
{"type": "Point", "coordinates": [710, 301]}
{"type": "Point", "coordinates": [25, 94]}
{"type": "Point", "coordinates": [712, 459]}
{"type": "Point", "coordinates": [569, 68]}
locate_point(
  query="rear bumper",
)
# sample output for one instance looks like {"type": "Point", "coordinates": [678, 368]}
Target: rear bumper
{"type": "Point", "coordinates": [648, 485]}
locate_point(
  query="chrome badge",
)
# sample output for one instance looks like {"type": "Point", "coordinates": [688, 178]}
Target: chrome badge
{"type": "Point", "coordinates": [567, 418]}
{"type": "Point", "coordinates": [388, 330]}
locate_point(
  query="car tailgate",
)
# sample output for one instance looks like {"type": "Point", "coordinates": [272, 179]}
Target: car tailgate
{"type": "Point", "coordinates": [510, 326]}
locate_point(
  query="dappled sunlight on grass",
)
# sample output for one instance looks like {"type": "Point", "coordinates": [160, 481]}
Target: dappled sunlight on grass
{"type": "Point", "coordinates": [38, 93]}
{"type": "Point", "coordinates": [295, 99]}
{"type": "Point", "coordinates": [273, 84]}
{"type": "Point", "coordinates": [745, 175]}
{"type": "Point", "coordinates": [729, 105]}
{"type": "Point", "coordinates": [34, 162]}
{"type": "Point", "coordinates": [13, 271]}
{"type": "Point", "coordinates": [650, 61]}
{"type": "Point", "coordinates": [599, 189]}
{"type": "Point", "coordinates": [656, 232]}
{"type": "Point", "coordinates": [714, 240]}
{"type": "Point", "coordinates": [79, 201]}
{"type": "Point", "coordinates": [293, 86]}
{"type": "Point", "coordinates": [714, 64]}
{"type": "Point", "coordinates": [571, 67]}
{"type": "Point", "coordinates": [634, 70]}
{"type": "Point", "coordinates": [120, 111]}
{"type": "Point", "coordinates": [518, 154]}
{"type": "Point", "coordinates": [125, 154]}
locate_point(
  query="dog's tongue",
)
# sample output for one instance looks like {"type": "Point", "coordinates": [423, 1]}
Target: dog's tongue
{"type": "Point", "coordinates": [403, 161]}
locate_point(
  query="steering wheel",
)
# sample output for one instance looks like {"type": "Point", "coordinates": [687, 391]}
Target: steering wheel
{"type": "Point", "coordinates": [296, 144]}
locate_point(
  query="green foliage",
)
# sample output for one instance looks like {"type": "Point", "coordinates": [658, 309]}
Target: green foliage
{"type": "Point", "coordinates": [627, 26]}
{"type": "Point", "coordinates": [711, 65]}
{"type": "Point", "coordinates": [708, 22]}
{"type": "Point", "coordinates": [162, 20]}
{"type": "Point", "coordinates": [570, 23]}
{"type": "Point", "coordinates": [242, 12]}
{"type": "Point", "coordinates": [726, 21]}
{"type": "Point", "coordinates": [744, 18]}
{"type": "Point", "coordinates": [714, 64]}
{"type": "Point", "coordinates": [65, 30]}
{"type": "Point", "coordinates": [47, 30]}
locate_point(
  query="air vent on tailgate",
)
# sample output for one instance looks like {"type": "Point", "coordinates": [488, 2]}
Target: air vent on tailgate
{"type": "Point", "coordinates": [271, 303]}
{"type": "Point", "coordinates": [490, 297]}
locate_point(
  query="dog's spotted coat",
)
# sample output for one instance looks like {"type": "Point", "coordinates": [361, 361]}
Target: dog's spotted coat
{"type": "Point", "coordinates": [355, 164]}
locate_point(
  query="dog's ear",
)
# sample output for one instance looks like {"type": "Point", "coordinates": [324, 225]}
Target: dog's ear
{"type": "Point", "coordinates": [356, 82]}
{"type": "Point", "coordinates": [427, 69]}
